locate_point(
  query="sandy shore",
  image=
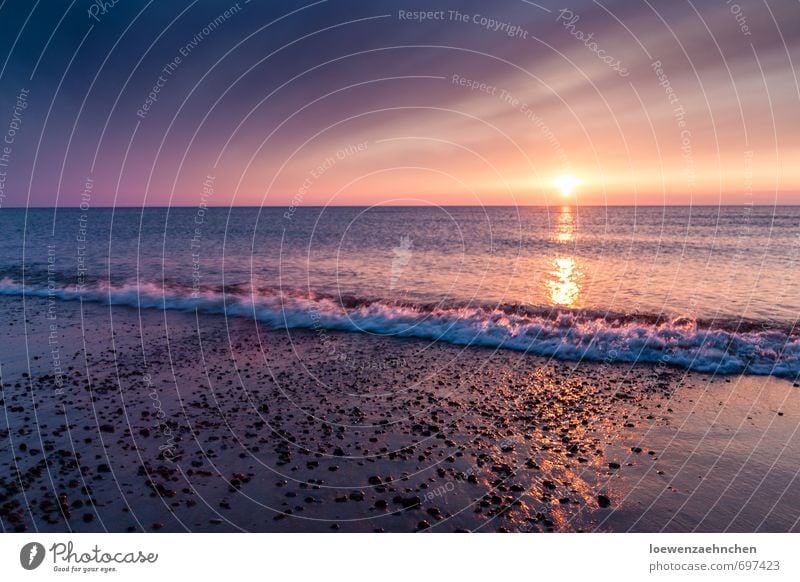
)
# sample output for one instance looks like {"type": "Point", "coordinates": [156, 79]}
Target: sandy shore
{"type": "Point", "coordinates": [174, 423]}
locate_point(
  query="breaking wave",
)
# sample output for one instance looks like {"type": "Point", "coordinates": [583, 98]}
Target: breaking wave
{"type": "Point", "coordinates": [730, 347]}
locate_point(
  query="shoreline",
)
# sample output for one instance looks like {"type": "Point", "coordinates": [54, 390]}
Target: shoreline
{"type": "Point", "coordinates": [214, 424]}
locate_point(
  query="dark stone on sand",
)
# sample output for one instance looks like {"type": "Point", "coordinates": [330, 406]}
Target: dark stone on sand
{"type": "Point", "coordinates": [381, 504]}
{"type": "Point", "coordinates": [103, 468]}
{"type": "Point", "coordinates": [423, 525]}
{"type": "Point", "coordinates": [603, 501]}
{"type": "Point", "coordinates": [375, 480]}
{"type": "Point", "coordinates": [636, 449]}
{"type": "Point", "coordinates": [87, 517]}
{"type": "Point", "coordinates": [501, 468]}
{"type": "Point", "coordinates": [338, 452]}
{"type": "Point", "coordinates": [613, 465]}
{"type": "Point", "coordinates": [106, 428]}
{"type": "Point", "coordinates": [357, 496]}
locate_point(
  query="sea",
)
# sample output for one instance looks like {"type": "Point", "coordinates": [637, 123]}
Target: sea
{"type": "Point", "coordinates": [703, 288]}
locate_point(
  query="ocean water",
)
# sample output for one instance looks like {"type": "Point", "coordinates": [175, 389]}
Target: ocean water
{"type": "Point", "coordinates": [712, 289]}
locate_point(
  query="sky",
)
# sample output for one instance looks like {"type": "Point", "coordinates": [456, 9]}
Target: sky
{"type": "Point", "coordinates": [345, 102]}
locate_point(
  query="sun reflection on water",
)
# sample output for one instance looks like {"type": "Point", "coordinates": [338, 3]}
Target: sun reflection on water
{"type": "Point", "coordinates": [563, 285]}
{"type": "Point", "coordinates": [565, 226]}
{"type": "Point", "coordinates": [563, 282]}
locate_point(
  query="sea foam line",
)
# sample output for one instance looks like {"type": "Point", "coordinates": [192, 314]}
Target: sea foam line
{"type": "Point", "coordinates": [566, 335]}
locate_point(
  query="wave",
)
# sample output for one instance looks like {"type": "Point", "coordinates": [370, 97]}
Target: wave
{"type": "Point", "coordinates": [710, 347]}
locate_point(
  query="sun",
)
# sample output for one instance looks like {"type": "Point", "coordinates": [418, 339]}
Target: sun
{"type": "Point", "coordinates": [566, 184]}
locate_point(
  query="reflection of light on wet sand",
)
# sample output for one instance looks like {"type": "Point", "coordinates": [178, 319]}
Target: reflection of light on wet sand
{"type": "Point", "coordinates": [568, 467]}
{"type": "Point", "coordinates": [563, 285]}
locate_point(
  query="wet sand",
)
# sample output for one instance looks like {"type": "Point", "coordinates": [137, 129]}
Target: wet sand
{"type": "Point", "coordinates": [176, 422]}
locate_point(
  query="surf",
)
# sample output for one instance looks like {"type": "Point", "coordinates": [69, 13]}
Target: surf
{"type": "Point", "coordinates": [572, 335]}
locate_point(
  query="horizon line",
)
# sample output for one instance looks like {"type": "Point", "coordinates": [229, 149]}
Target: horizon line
{"type": "Point", "coordinates": [208, 206]}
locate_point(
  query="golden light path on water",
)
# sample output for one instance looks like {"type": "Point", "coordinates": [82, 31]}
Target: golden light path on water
{"type": "Point", "coordinates": [563, 283]}
{"type": "Point", "coordinates": [563, 288]}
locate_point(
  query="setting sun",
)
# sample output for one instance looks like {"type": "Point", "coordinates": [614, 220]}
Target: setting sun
{"type": "Point", "coordinates": [566, 184]}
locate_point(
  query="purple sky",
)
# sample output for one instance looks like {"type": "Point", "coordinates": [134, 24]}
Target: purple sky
{"type": "Point", "coordinates": [356, 102]}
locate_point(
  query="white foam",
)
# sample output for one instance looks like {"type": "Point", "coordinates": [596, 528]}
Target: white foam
{"type": "Point", "coordinates": [568, 335]}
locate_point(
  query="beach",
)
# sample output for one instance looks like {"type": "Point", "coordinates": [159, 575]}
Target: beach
{"type": "Point", "coordinates": [121, 419]}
